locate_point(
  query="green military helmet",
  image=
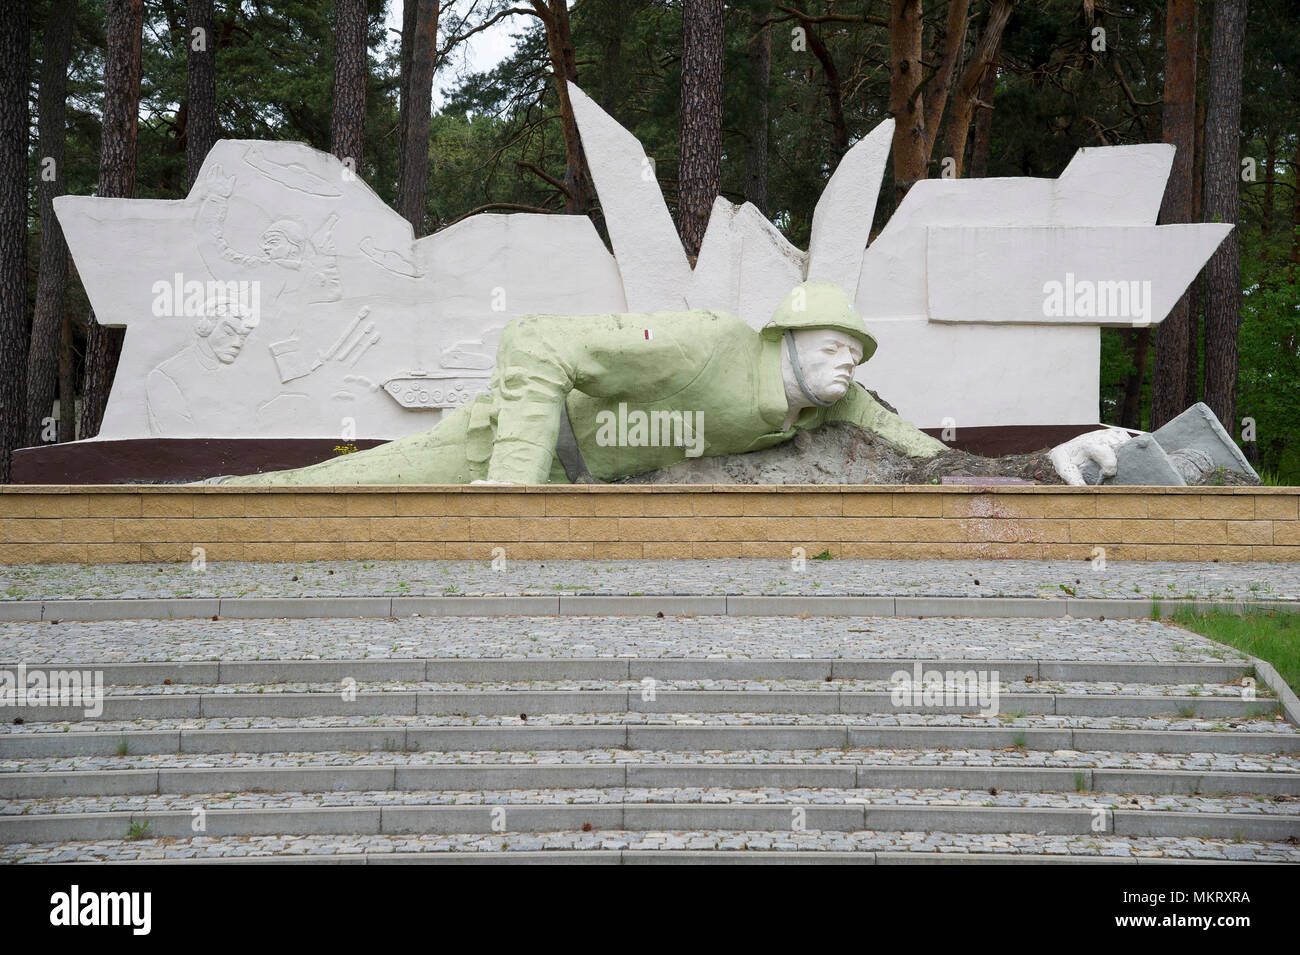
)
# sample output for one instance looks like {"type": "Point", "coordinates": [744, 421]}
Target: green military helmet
{"type": "Point", "coordinates": [820, 304]}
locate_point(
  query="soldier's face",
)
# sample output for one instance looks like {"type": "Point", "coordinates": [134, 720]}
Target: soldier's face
{"type": "Point", "coordinates": [827, 359]}
{"type": "Point", "coordinates": [277, 247]}
{"type": "Point", "coordinates": [227, 339]}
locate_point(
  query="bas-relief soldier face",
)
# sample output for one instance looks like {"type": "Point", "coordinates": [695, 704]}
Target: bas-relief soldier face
{"type": "Point", "coordinates": [827, 359]}
{"type": "Point", "coordinates": [276, 246]}
{"type": "Point", "coordinates": [227, 338]}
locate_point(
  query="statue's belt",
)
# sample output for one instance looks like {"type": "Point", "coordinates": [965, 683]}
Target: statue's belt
{"type": "Point", "coordinates": [566, 449]}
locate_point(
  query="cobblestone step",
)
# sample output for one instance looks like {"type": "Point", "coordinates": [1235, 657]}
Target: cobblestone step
{"type": "Point", "coordinates": [463, 671]}
{"type": "Point", "coordinates": [640, 688]}
{"type": "Point", "coordinates": [877, 757]}
{"type": "Point", "coordinates": [615, 847]}
{"type": "Point", "coordinates": [773, 643]}
{"type": "Point", "coordinates": [696, 732]}
{"type": "Point", "coordinates": [568, 604]}
{"type": "Point", "coordinates": [360, 775]}
{"type": "Point", "coordinates": [958, 578]}
{"type": "Point", "coordinates": [465, 702]}
{"type": "Point", "coordinates": [679, 739]}
{"type": "Point", "coordinates": [795, 810]}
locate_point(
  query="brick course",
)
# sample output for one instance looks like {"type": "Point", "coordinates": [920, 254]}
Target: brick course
{"type": "Point", "coordinates": [164, 523]}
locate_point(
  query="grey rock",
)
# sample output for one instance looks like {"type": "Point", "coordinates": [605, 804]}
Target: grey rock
{"type": "Point", "coordinates": [1198, 428]}
{"type": "Point", "coordinates": [1140, 460]}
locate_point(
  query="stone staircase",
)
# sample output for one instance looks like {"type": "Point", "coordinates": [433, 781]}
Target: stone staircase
{"type": "Point", "coordinates": [652, 759]}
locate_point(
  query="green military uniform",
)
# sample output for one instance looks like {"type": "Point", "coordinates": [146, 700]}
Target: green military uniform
{"type": "Point", "coordinates": [556, 373]}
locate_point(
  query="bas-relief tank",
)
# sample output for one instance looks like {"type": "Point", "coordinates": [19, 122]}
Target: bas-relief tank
{"type": "Point", "coordinates": [420, 390]}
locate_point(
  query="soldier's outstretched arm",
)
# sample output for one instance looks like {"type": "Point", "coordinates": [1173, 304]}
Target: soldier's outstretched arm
{"type": "Point", "coordinates": [861, 409]}
{"type": "Point", "coordinates": [541, 358]}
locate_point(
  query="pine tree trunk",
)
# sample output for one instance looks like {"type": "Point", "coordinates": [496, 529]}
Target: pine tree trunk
{"type": "Point", "coordinates": [839, 130]}
{"type": "Point", "coordinates": [348, 124]}
{"type": "Point", "coordinates": [564, 66]}
{"type": "Point", "coordinates": [1270, 172]}
{"type": "Point", "coordinates": [983, 142]}
{"type": "Point", "coordinates": [968, 84]}
{"type": "Point", "coordinates": [1196, 301]}
{"type": "Point", "coordinates": [1295, 213]}
{"type": "Point", "coordinates": [13, 232]}
{"type": "Point", "coordinates": [1178, 118]}
{"type": "Point", "coordinates": [201, 96]}
{"type": "Point", "coordinates": [52, 273]}
{"type": "Point", "coordinates": [404, 84]}
{"type": "Point", "coordinates": [760, 70]}
{"type": "Point", "coordinates": [947, 55]}
{"type": "Point", "coordinates": [116, 181]}
{"type": "Point", "coordinates": [67, 382]}
{"type": "Point", "coordinates": [906, 105]}
{"type": "Point", "coordinates": [417, 106]}
{"type": "Point", "coordinates": [1222, 177]}
{"type": "Point", "coordinates": [700, 169]}
{"type": "Point", "coordinates": [1131, 409]}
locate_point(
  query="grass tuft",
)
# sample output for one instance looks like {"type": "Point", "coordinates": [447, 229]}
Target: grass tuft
{"type": "Point", "coordinates": [1272, 635]}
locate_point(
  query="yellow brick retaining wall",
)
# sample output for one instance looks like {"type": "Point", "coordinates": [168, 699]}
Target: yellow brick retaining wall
{"type": "Point", "coordinates": [40, 524]}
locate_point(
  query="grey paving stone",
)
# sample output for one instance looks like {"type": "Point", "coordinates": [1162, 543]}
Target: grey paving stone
{"type": "Point", "coordinates": [530, 776]}
{"type": "Point", "coordinates": [973, 858]}
{"type": "Point", "coordinates": [793, 604]}
{"type": "Point", "coordinates": [732, 857]}
{"type": "Point", "coordinates": [620, 605]}
{"type": "Point", "coordinates": [304, 739]}
{"type": "Point", "coordinates": [141, 609]}
{"type": "Point", "coordinates": [930, 737]}
{"type": "Point", "coordinates": [493, 671]}
{"type": "Point", "coordinates": [114, 708]}
{"type": "Point", "coordinates": [1142, 671]}
{"type": "Point", "coordinates": [978, 607]}
{"type": "Point", "coordinates": [690, 738]}
{"type": "Point", "coordinates": [21, 609]}
{"type": "Point", "coordinates": [290, 705]}
{"type": "Point", "coordinates": [1110, 608]}
{"type": "Point", "coordinates": [19, 745]}
{"type": "Point", "coordinates": [516, 738]}
{"type": "Point", "coordinates": [733, 701]}
{"type": "Point", "coordinates": [119, 782]}
{"type": "Point", "coordinates": [474, 606]}
{"type": "Point", "coordinates": [1032, 779]}
{"type": "Point", "coordinates": [737, 816]}
{"type": "Point", "coordinates": [1149, 741]}
{"type": "Point", "coordinates": [264, 607]}
{"type": "Point", "coordinates": [138, 674]}
{"type": "Point", "coordinates": [740, 777]}
{"type": "Point", "coordinates": [511, 819]}
{"type": "Point", "coordinates": [319, 671]}
{"type": "Point", "coordinates": [885, 669]}
{"type": "Point", "coordinates": [1185, 781]}
{"type": "Point", "coordinates": [513, 702]}
{"type": "Point", "coordinates": [280, 779]}
{"type": "Point", "coordinates": [1132, 822]}
{"type": "Point", "coordinates": [1204, 707]}
{"type": "Point", "coordinates": [978, 819]}
{"type": "Point", "coordinates": [716, 669]}
{"type": "Point", "coordinates": [545, 857]}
